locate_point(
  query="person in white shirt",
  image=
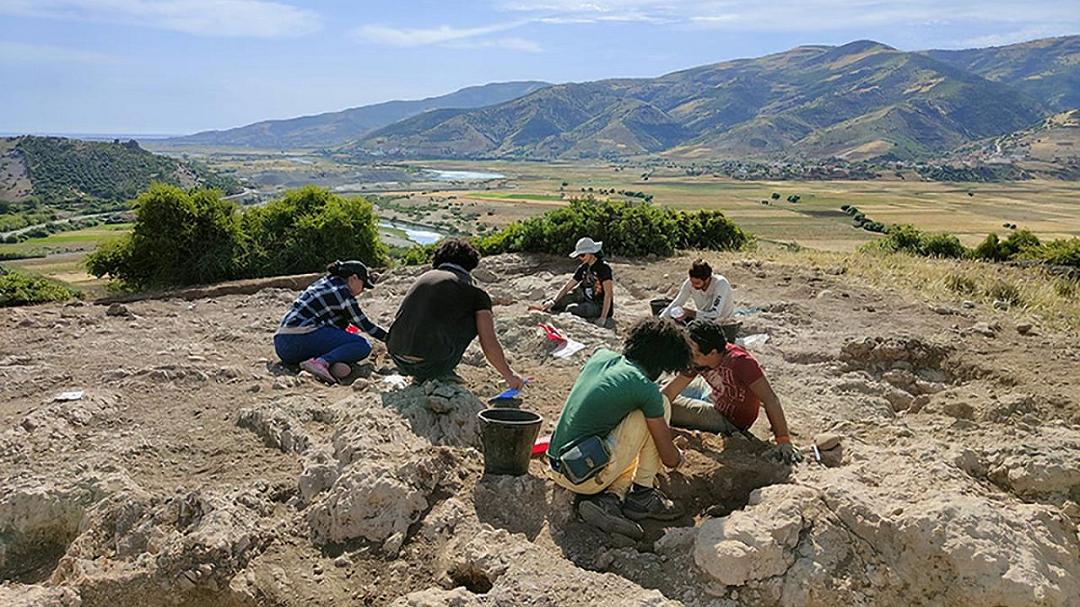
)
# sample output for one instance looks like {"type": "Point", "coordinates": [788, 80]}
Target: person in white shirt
{"type": "Point", "coordinates": [710, 292]}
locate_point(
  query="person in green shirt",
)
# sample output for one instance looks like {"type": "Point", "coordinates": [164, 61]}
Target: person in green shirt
{"type": "Point", "coordinates": [616, 398]}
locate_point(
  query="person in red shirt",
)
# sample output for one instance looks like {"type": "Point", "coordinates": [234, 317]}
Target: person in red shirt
{"type": "Point", "coordinates": [727, 389]}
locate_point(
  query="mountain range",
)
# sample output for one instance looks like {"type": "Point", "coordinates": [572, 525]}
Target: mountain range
{"type": "Point", "coordinates": [856, 101]}
{"type": "Point", "coordinates": [336, 128]}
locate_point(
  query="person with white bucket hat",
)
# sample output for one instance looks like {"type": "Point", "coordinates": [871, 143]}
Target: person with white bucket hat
{"type": "Point", "coordinates": [589, 293]}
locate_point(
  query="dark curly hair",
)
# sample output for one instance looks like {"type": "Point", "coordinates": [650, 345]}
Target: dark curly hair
{"type": "Point", "coordinates": [457, 251]}
{"type": "Point", "coordinates": [657, 345]}
{"type": "Point", "coordinates": [707, 335]}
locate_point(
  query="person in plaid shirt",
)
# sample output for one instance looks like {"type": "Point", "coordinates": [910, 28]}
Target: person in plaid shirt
{"type": "Point", "coordinates": [313, 332]}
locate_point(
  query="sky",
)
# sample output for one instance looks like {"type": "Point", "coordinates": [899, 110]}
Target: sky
{"type": "Point", "coordinates": [181, 66]}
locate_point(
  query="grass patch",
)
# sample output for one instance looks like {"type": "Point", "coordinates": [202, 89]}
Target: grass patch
{"type": "Point", "coordinates": [1030, 291]}
{"type": "Point", "coordinates": [84, 239]}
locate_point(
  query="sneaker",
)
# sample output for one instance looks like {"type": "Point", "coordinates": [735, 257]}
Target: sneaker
{"type": "Point", "coordinates": [650, 503]}
{"type": "Point", "coordinates": [319, 368]}
{"type": "Point", "coordinates": [603, 512]}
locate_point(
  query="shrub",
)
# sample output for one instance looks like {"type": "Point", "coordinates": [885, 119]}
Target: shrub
{"type": "Point", "coordinates": [942, 245]}
{"type": "Point", "coordinates": [1063, 252]}
{"type": "Point", "coordinates": [183, 238]}
{"type": "Point", "coordinates": [630, 229]}
{"type": "Point", "coordinates": [1021, 242]}
{"type": "Point", "coordinates": [308, 228]}
{"type": "Point", "coordinates": [18, 289]}
{"type": "Point", "coordinates": [710, 230]}
{"type": "Point", "coordinates": [901, 238]}
{"type": "Point", "coordinates": [179, 238]}
{"type": "Point", "coordinates": [990, 249]}
{"type": "Point", "coordinates": [417, 256]}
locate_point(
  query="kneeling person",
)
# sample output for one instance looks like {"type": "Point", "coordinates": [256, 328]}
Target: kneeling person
{"type": "Point", "coordinates": [616, 399]}
{"type": "Point", "coordinates": [735, 386]}
{"type": "Point", "coordinates": [313, 332]}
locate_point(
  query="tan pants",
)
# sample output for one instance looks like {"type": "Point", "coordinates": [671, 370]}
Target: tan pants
{"type": "Point", "coordinates": [634, 459]}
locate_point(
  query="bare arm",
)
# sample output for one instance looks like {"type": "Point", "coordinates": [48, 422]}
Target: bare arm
{"type": "Point", "coordinates": [609, 294]}
{"type": "Point", "coordinates": [676, 386]}
{"type": "Point", "coordinates": [773, 409]}
{"type": "Point", "coordinates": [680, 299]}
{"type": "Point", "coordinates": [493, 352]}
{"type": "Point", "coordinates": [563, 291]}
{"type": "Point", "coordinates": [661, 435]}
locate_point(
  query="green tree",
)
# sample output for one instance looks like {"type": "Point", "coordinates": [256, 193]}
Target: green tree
{"type": "Point", "coordinates": [308, 228]}
{"type": "Point", "coordinates": [179, 238]}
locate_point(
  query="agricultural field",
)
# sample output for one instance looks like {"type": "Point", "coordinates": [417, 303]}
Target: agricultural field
{"type": "Point", "coordinates": [1051, 209]}
{"type": "Point", "coordinates": [458, 197]}
{"type": "Point", "coordinates": [421, 192]}
{"type": "Point", "coordinates": [60, 256]}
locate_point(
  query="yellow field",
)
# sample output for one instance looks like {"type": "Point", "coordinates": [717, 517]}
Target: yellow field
{"type": "Point", "coordinates": [1051, 209]}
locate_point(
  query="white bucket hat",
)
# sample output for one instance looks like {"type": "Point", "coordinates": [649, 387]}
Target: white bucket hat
{"type": "Point", "coordinates": [586, 245]}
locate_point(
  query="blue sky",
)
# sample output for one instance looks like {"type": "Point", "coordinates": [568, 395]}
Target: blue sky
{"type": "Point", "coordinates": [179, 66]}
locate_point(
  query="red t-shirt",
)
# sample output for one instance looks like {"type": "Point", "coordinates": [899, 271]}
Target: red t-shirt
{"type": "Point", "coordinates": [730, 383]}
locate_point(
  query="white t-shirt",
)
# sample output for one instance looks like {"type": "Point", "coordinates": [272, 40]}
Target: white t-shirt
{"type": "Point", "coordinates": [714, 303]}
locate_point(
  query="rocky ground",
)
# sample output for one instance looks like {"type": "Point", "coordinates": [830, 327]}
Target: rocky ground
{"type": "Point", "coordinates": [193, 470]}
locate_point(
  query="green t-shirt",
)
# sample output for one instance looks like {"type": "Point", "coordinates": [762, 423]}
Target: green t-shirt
{"type": "Point", "coordinates": [607, 390]}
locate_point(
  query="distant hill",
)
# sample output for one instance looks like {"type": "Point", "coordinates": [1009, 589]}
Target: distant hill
{"type": "Point", "coordinates": [336, 128]}
{"type": "Point", "coordinates": [858, 100]}
{"type": "Point", "coordinates": [60, 172]}
{"type": "Point", "coordinates": [1047, 70]}
{"type": "Point", "coordinates": [1049, 149]}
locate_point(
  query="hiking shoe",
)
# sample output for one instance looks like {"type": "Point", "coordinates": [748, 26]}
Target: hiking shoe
{"type": "Point", "coordinates": [603, 512]}
{"type": "Point", "coordinates": [319, 368]}
{"type": "Point", "coordinates": [650, 503]}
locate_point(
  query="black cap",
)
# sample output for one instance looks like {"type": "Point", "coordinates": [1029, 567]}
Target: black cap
{"type": "Point", "coordinates": [345, 269]}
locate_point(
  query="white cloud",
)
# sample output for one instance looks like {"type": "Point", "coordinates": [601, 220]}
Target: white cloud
{"type": "Point", "coordinates": [510, 44]}
{"type": "Point", "coordinates": [1006, 38]}
{"type": "Point", "coordinates": [444, 35]}
{"type": "Point", "coordinates": [227, 18]}
{"type": "Point", "coordinates": [802, 15]}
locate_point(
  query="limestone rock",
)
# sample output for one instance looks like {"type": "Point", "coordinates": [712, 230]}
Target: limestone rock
{"type": "Point", "coordinates": [827, 440]}
{"type": "Point", "coordinates": [959, 410]}
{"type": "Point", "coordinates": [756, 543]}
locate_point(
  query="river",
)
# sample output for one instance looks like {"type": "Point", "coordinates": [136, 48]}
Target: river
{"type": "Point", "coordinates": [415, 233]}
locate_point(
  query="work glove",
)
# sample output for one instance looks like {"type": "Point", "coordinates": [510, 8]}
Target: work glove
{"type": "Point", "coordinates": [788, 453]}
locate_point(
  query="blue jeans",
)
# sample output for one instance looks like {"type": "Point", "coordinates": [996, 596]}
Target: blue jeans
{"type": "Point", "coordinates": [331, 344]}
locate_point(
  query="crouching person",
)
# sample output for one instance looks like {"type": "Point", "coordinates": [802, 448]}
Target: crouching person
{"type": "Point", "coordinates": [725, 390]}
{"type": "Point", "coordinates": [441, 314]}
{"type": "Point", "coordinates": [313, 332]}
{"type": "Point", "coordinates": [615, 412]}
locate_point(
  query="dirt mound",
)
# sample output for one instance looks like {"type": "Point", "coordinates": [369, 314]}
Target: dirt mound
{"type": "Point", "coordinates": [185, 467]}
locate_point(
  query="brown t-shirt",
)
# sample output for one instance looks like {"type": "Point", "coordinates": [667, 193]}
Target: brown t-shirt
{"type": "Point", "coordinates": [438, 315]}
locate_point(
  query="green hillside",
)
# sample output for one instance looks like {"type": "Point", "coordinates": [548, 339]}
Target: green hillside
{"type": "Point", "coordinates": [857, 100]}
{"type": "Point", "coordinates": [70, 173]}
{"type": "Point", "coordinates": [1047, 69]}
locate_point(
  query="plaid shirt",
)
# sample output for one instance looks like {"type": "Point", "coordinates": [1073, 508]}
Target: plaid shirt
{"type": "Point", "coordinates": [328, 302]}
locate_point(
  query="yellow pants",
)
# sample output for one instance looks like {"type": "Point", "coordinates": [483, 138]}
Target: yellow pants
{"type": "Point", "coordinates": [634, 459]}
